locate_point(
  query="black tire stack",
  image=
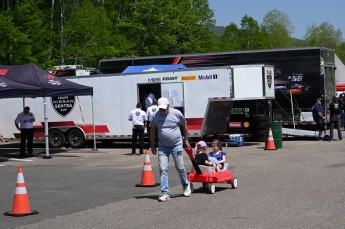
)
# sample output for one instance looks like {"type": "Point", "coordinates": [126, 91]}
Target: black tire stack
{"type": "Point", "coordinates": [259, 127]}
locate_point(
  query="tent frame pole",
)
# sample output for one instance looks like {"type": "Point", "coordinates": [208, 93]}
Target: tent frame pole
{"type": "Point", "coordinates": [46, 132]}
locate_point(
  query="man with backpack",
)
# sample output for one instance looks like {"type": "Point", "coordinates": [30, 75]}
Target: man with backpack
{"type": "Point", "coordinates": [335, 109]}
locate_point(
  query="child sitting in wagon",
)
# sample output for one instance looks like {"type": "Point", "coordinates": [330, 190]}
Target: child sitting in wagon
{"type": "Point", "coordinates": [201, 157]}
{"type": "Point", "coordinates": [217, 155]}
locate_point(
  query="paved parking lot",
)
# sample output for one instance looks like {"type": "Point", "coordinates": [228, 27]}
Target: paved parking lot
{"type": "Point", "coordinates": [299, 186]}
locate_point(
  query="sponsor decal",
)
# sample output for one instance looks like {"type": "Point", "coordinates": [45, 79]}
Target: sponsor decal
{"type": "Point", "coordinates": [240, 110]}
{"type": "Point", "coordinates": [3, 84]}
{"type": "Point", "coordinates": [188, 78]}
{"type": "Point", "coordinates": [235, 124]}
{"type": "Point", "coordinates": [246, 124]}
{"type": "Point", "coordinates": [296, 77]}
{"type": "Point", "coordinates": [51, 79]}
{"type": "Point", "coordinates": [154, 80]}
{"type": "Point", "coordinates": [208, 77]}
{"type": "Point", "coordinates": [280, 87]}
{"type": "Point", "coordinates": [3, 71]}
{"type": "Point", "coordinates": [269, 75]}
{"type": "Point", "coordinates": [172, 78]}
{"type": "Point", "coordinates": [63, 105]}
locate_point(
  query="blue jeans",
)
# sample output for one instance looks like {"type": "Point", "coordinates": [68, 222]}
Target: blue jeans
{"type": "Point", "coordinates": [163, 161]}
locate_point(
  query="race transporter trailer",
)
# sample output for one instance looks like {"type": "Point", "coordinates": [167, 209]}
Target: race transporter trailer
{"type": "Point", "coordinates": [204, 95]}
{"type": "Point", "coordinates": [301, 75]}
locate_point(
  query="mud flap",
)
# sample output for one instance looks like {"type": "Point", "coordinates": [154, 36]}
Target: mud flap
{"type": "Point", "coordinates": [217, 116]}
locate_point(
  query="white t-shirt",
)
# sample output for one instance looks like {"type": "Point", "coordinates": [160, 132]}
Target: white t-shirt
{"type": "Point", "coordinates": [21, 117]}
{"type": "Point", "coordinates": [151, 112]}
{"type": "Point", "coordinates": [137, 116]}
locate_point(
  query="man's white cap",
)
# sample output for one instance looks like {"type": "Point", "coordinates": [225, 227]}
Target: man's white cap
{"type": "Point", "coordinates": [163, 103]}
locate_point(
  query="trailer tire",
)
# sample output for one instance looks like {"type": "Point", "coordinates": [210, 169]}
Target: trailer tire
{"type": "Point", "coordinates": [56, 139]}
{"type": "Point", "coordinates": [259, 139]}
{"type": "Point", "coordinates": [260, 118]}
{"type": "Point", "coordinates": [260, 126]}
{"type": "Point", "coordinates": [76, 138]}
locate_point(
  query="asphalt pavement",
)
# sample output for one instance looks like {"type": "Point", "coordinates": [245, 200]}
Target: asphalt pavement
{"type": "Point", "coordinates": [298, 186]}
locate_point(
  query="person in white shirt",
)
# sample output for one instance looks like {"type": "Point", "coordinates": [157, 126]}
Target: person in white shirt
{"type": "Point", "coordinates": [138, 118]}
{"type": "Point", "coordinates": [149, 99]}
{"type": "Point", "coordinates": [151, 111]}
{"type": "Point", "coordinates": [24, 123]}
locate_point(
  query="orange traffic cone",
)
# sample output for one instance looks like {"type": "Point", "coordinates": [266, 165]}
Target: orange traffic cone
{"type": "Point", "coordinates": [270, 141]}
{"type": "Point", "coordinates": [147, 178]}
{"type": "Point", "coordinates": [21, 206]}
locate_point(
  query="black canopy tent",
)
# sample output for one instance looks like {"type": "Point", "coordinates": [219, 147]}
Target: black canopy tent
{"type": "Point", "coordinates": [10, 88]}
{"type": "Point", "coordinates": [43, 84]}
{"type": "Point", "coordinates": [31, 74]}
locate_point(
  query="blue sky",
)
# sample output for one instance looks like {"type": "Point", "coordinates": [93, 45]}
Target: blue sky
{"type": "Point", "coordinates": [302, 13]}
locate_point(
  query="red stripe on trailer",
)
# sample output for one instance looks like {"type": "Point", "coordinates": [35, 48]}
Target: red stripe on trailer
{"type": "Point", "coordinates": [38, 127]}
{"type": "Point", "coordinates": [39, 134]}
{"type": "Point", "coordinates": [64, 123]}
{"type": "Point", "coordinates": [98, 129]}
{"type": "Point", "coordinates": [194, 123]}
{"type": "Point", "coordinates": [340, 87]}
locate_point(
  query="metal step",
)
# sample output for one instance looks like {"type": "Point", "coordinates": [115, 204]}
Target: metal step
{"type": "Point", "coordinates": [298, 132]}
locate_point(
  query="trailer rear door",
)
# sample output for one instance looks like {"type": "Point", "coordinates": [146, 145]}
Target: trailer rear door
{"type": "Point", "coordinates": [217, 116]}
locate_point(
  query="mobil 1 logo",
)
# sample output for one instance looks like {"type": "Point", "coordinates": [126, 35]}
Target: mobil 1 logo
{"type": "Point", "coordinates": [63, 105]}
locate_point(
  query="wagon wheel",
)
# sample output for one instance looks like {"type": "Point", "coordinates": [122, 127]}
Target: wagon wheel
{"type": "Point", "coordinates": [205, 186]}
{"type": "Point", "coordinates": [234, 183]}
{"type": "Point", "coordinates": [210, 188]}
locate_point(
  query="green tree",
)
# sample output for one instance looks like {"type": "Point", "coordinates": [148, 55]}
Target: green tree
{"type": "Point", "coordinates": [87, 35]}
{"type": "Point", "coordinates": [13, 42]}
{"type": "Point", "coordinates": [340, 50]}
{"type": "Point", "coordinates": [279, 27]}
{"type": "Point", "coordinates": [323, 35]}
{"type": "Point", "coordinates": [30, 20]}
{"type": "Point", "coordinates": [252, 36]}
{"type": "Point", "coordinates": [231, 39]}
{"type": "Point", "coordinates": [167, 26]}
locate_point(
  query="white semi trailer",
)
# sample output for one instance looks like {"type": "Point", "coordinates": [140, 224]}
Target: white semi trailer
{"type": "Point", "coordinates": [204, 95]}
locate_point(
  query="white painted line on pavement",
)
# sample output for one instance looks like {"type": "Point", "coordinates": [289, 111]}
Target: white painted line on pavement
{"type": "Point", "coordinates": [14, 159]}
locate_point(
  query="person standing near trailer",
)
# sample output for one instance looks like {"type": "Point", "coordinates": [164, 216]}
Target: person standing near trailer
{"type": "Point", "coordinates": [319, 117]}
{"type": "Point", "coordinates": [138, 118]}
{"type": "Point", "coordinates": [149, 99]}
{"type": "Point", "coordinates": [335, 109]}
{"type": "Point", "coordinates": [151, 111]}
{"type": "Point", "coordinates": [24, 123]}
{"type": "Point", "coordinates": [341, 100]}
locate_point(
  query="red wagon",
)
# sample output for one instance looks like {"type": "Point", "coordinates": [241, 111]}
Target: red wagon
{"type": "Point", "coordinates": [207, 176]}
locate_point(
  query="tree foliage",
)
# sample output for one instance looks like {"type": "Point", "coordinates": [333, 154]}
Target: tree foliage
{"type": "Point", "coordinates": [84, 31]}
{"type": "Point", "coordinates": [252, 35]}
{"type": "Point", "coordinates": [323, 35]}
{"type": "Point", "coordinates": [279, 28]}
{"type": "Point", "coordinates": [231, 39]}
